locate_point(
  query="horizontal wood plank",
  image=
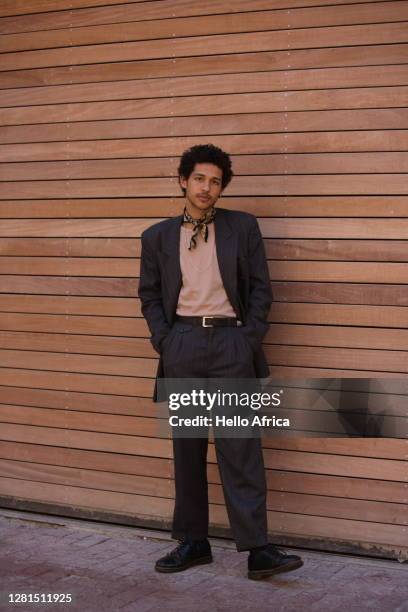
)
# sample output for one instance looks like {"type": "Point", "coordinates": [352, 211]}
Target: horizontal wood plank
{"type": "Point", "coordinates": [258, 102]}
{"type": "Point", "coordinates": [206, 64]}
{"type": "Point", "coordinates": [330, 271]}
{"type": "Point", "coordinates": [321, 527]}
{"type": "Point", "coordinates": [295, 121]}
{"type": "Point", "coordinates": [322, 78]}
{"type": "Point", "coordinates": [255, 21]}
{"type": "Point", "coordinates": [215, 44]}
{"type": "Point", "coordinates": [154, 209]}
{"type": "Point", "coordinates": [280, 312]}
{"type": "Point", "coordinates": [132, 12]}
{"type": "Point", "coordinates": [159, 487]}
{"type": "Point", "coordinates": [75, 464]}
{"type": "Point", "coordinates": [271, 228]}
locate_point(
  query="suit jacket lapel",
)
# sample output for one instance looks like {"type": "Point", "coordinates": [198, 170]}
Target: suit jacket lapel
{"type": "Point", "coordinates": [171, 249]}
{"type": "Point", "coordinates": [226, 245]}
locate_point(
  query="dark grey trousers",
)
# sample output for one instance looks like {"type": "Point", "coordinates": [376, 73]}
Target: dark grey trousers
{"type": "Point", "coordinates": [216, 352]}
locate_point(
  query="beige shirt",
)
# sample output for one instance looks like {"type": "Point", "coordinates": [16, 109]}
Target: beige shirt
{"type": "Point", "coordinates": [202, 291]}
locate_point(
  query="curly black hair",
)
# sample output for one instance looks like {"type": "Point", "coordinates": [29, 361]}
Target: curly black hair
{"type": "Point", "coordinates": [205, 154]}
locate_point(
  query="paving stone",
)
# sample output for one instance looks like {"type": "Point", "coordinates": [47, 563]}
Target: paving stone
{"type": "Point", "coordinates": [114, 570]}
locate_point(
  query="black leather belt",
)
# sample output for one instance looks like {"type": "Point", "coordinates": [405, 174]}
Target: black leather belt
{"type": "Point", "coordinates": [210, 321]}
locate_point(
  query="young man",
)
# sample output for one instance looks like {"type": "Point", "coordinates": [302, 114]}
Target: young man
{"type": "Point", "coordinates": [205, 293]}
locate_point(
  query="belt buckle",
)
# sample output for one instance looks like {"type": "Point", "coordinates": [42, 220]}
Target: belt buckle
{"type": "Point", "coordinates": [204, 323]}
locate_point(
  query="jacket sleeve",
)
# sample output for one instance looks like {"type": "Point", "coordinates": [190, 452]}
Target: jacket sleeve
{"type": "Point", "coordinates": [260, 292]}
{"type": "Point", "coordinates": [150, 295]}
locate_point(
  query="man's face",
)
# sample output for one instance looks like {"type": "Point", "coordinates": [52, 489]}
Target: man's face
{"type": "Point", "coordinates": [203, 187]}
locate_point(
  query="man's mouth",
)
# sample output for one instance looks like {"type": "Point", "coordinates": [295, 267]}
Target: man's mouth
{"type": "Point", "coordinates": [203, 198]}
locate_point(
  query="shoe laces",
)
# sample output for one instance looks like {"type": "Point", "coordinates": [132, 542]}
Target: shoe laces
{"type": "Point", "coordinates": [271, 548]}
{"type": "Point", "coordinates": [278, 552]}
{"type": "Point", "coordinates": [177, 551]}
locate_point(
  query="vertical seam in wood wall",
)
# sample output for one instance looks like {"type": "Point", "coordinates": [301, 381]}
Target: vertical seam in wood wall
{"type": "Point", "coordinates": [67, 237]}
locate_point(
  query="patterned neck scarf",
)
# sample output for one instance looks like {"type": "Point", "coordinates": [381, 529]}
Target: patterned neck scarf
{"type": "Point", "coordinates": [199, 225]}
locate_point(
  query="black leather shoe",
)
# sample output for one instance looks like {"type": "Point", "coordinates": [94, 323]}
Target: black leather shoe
{"type": "Point", "coordinates": [270, 560]}
{"type": "Point", "coordinates": [186, 554]}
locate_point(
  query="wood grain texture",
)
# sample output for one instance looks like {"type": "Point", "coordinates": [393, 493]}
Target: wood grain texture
{"type": "Point", "coordinates": [256, 21]}
{"type": "Point", "coordinates": [207, 64]}
{"type": "Point", "coordinates": [132, 12]}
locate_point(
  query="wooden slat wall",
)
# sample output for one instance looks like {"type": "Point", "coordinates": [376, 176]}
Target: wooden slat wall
{"type": "Point", "coordinates": [98, 99]}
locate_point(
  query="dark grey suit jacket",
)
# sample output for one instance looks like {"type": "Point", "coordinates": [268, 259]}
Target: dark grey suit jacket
{"type": "Point", "coordinates": [243, 269]}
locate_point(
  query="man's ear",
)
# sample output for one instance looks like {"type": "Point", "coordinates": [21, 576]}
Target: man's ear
{"type": "Point", "coordinates": [183, 189]}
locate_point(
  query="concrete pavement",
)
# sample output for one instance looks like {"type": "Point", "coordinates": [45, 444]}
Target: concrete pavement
{"type": "Point", "coordinates": [110, 567]}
